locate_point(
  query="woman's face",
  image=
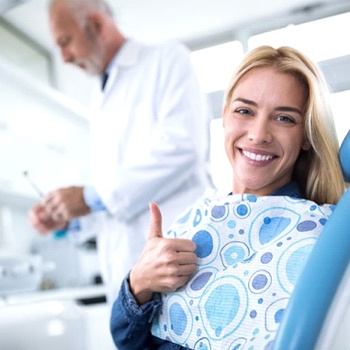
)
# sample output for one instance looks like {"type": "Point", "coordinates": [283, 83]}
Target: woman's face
{"type": "Point", "coordinates": [264, 132]}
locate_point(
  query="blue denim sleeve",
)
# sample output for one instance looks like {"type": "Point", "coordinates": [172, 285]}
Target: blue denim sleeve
{"type": "Point", "coordinates": [130, 324]}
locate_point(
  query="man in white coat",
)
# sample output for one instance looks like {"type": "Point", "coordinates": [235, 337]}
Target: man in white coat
{"type": "Point", "coordinates": [149, 137]}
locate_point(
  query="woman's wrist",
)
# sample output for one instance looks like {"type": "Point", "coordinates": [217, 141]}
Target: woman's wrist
{"type": "Point", "coordinates": [140, 293]}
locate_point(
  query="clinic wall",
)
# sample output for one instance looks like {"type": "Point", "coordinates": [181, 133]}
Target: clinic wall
{"type": "Point", "coordinates": [43, 132]}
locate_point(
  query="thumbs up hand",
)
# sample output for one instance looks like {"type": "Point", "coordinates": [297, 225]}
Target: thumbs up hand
{"type": "Point", "coordinates": [165, 263]}
{"type": "Point", "coordinates": [155, 229]}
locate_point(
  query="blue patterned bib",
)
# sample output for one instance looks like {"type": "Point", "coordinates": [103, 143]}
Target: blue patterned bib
{"type": "Point", "coordinates": [250, 253]}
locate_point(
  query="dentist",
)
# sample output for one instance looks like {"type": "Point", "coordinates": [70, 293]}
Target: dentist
{"type": "Point", "coordinates": [149, 137]}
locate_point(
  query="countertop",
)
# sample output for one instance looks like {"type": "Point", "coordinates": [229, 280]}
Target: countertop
{"type": "Point", "coordinates": [85, 294]}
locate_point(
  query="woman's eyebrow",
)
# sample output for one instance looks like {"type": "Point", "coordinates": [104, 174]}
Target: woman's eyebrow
{"type": "Point", "coordinates": [289, 109]}
{"type": "Point", "coordinates": [244, 100]}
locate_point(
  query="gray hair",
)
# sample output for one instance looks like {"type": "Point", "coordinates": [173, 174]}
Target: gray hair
{"type": "Point", "coordinates": [80, 8]}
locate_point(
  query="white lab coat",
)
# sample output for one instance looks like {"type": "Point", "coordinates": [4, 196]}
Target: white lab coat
{"type": "Point", "coordinates": [149, 142]}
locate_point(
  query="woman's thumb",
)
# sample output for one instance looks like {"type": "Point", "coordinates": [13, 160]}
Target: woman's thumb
{"type": "Point", "coordinates": [155, 229]}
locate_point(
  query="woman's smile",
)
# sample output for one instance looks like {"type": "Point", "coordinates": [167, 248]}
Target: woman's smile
{"type": "Point", "coordinates": [257, 156]}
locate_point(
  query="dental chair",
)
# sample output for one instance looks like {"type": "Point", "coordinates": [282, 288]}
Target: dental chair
{"type": "Point", "coordinates": [318, 314]}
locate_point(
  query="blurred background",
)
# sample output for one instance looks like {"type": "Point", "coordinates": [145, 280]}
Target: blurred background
{"type": "Point", "coordinates": [55, 297]}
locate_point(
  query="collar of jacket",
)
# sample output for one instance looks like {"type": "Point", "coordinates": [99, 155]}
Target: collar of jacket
{"type": "Point", "coordinates": [128, 54]}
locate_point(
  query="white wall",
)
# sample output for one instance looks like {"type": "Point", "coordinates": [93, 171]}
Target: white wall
{"type": "Point", "coordinates": [43, 132]}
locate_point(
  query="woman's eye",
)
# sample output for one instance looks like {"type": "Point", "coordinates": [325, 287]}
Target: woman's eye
{"type": "Point", "coordinates": [243, 111]}
{"type": "Point", "coordinates": [286, 119]}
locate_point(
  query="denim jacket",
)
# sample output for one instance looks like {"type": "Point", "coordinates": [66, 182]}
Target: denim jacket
{"type": "Point", "coordinates": [130, 324]}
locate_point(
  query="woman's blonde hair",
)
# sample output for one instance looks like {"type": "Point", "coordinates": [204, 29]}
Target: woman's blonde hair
{"type": "Point", "coordinates": [317, 171]}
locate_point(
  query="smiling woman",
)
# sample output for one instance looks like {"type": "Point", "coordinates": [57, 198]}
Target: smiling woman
{"type": "Point", "coordinates": [223, 275]}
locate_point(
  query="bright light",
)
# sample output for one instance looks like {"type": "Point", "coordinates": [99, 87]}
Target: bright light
{"type": "Point", "coordinates": [55, 328]}
{"type": "Point", "coordinates": [215, 65]}
{"type": "Point", "coordinates": [320, 40]}
{"type": "Point", "coordinates": [339, 103]}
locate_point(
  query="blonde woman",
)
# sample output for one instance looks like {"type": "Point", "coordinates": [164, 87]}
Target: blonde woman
{"type": "Point", "coordinates": [222, 277]}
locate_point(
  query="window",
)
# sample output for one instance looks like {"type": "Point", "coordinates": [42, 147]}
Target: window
{"type": "Point", "coordinates": [23, 52]}
{"type": "Point", "coordinates": [339, 103]}
{"type": "Point", "coordinates": [320, 39]}
{"type": "Point", "coordinates": [214, 65]}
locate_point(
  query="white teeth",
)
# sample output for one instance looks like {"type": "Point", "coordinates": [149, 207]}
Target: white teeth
{"type": "Point", "coordinates": [257, 157]}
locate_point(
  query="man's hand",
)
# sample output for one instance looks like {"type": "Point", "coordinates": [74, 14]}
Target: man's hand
{"type": "Point", "coordinates": [42, 222]}
{"type": "Point", "coordinates": [65, 203]}
{"type": "Point", "coordinates": [164, 265]}
{"type": "Point", "coordinates": [57, 208]}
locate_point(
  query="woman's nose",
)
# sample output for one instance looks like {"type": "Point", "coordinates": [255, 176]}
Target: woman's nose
{"type": "Point", "coordinates": [260, 131]}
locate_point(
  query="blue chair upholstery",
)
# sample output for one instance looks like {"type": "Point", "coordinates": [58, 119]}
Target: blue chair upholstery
{"type": "Point", "coordinates": [344, 156]}
{"type": "Point", "coordinates": [318, 283]}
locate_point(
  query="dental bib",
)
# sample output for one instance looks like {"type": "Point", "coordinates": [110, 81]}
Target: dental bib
{"type": "Point", "coordinates": [250, 253]}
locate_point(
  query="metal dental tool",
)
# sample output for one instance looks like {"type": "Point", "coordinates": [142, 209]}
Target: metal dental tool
{"type": "Point", "coordinates": [58, 233]}
{"type": "Point", "coordinates": [34, 186]}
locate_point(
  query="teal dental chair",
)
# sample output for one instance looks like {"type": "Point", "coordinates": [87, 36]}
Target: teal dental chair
{"type": "Point", "coordinates": [317, 288]}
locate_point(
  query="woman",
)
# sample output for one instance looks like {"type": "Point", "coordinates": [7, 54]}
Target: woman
{"type": "Point", "coordinates": [227, 277]}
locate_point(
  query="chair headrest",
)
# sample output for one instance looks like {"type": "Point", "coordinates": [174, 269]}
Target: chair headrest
{"type": "Point", "coordinates": [344, 156]}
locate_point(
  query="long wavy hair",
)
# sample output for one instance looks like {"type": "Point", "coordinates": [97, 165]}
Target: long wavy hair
{"type": "Point", "coordinates": [317, 170]}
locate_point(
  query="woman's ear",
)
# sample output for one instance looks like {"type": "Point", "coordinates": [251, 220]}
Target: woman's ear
{"type": "Point", "coordinates": [306, 145]}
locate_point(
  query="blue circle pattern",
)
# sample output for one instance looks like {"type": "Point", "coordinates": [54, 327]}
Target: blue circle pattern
{"type": "Point", "coordinates": [204, 243]}
{"type": "Point", "coordinates": [250, 252]}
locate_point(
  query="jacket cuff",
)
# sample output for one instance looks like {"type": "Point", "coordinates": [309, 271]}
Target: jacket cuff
{"type": "Point", "coordinates": [132, 308]}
